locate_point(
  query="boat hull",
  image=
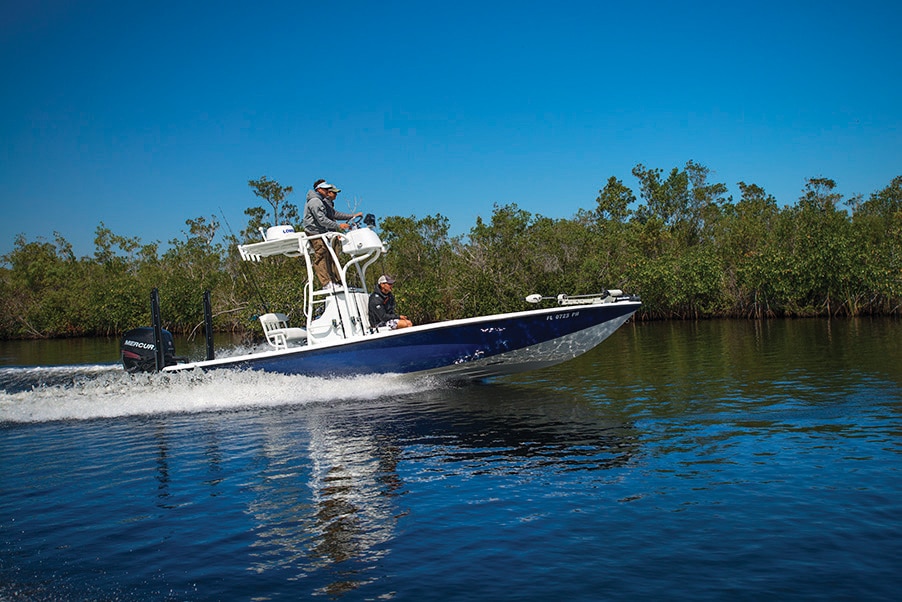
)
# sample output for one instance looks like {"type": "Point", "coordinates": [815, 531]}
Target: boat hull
{"type": "Point", "coordinates": [473, 348]}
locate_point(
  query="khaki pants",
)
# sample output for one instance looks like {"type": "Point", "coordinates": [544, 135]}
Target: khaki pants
{"type": "Point", "coordinates": [323, 266]}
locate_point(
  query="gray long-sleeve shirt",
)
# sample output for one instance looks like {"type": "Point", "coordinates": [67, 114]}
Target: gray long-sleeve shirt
{"type": "Point", "coordinates": [320, 215]}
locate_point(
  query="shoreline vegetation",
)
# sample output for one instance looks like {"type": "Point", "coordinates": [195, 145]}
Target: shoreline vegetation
{"type": "Point", "coordinates": [683, 245]}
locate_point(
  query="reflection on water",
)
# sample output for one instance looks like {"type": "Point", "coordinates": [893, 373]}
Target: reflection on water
{"type": "Point", "coordinates": [500, 428]}
{"type": "Point", "coordinates": [321, 498]}
{"type": "Point", "coordinates": [354, 483]}
{"type": "Point", "coordinates": [663, 369]}
{"type": "Point", "coordinates": [329, 486]}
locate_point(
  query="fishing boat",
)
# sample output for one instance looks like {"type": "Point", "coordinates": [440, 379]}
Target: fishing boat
{"type": "Point", "coordinates": [335, 336]}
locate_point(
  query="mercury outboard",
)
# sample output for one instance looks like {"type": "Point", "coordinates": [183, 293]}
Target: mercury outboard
{"type": "Point", "coordinates": [139, 352]}
{"type": "Point", "coordinates": [151, 348]}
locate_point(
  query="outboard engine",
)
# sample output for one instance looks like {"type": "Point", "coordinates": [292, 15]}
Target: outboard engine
{"type": "Point", "coordinates": [139, 351]}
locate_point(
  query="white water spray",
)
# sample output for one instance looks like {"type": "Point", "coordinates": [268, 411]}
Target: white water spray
{"type": "Point", "coordinates": [90, 392]}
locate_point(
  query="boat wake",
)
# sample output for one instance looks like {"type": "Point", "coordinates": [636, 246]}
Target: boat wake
{"type": "Point", "coordinates": [43, 394]}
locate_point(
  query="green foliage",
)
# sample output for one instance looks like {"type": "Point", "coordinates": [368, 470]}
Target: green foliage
{"type": "Point", "coordinates": [749, 252]}
{"type": "Point", "coordinates": [42, 290]}
{"type": "Point", "coordinates": [420, 257]}
{"type": "Point", "coordinates": [255, 223]}
{"type": "Point", "coordinates": [613, 202]}
{"type": "Point", "coordinates": [684, 205]}
{"type": "Point", "coordinates": [878, 229]}
{"type": "Point", "coordinates": [274, 194]}
{"type": "Point", "coordinates": [484, 281]}
{"type": "Point", "coordinates": [681, 244]}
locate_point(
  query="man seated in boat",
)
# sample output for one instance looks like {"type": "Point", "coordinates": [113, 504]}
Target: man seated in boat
{"type": "Point", "coordinates": [382, 306]}
{"type": "Point", "coordinates": [320, 216]}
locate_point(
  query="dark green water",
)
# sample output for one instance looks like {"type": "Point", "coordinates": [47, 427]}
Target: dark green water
{"type": "Point", "coordinates": [97, 350]}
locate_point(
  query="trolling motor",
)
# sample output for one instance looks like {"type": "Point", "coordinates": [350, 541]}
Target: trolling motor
{"type": "Point", "coordinates": [607, 296]}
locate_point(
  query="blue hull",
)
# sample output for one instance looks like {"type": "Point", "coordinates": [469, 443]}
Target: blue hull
{"type": "Point", "coordinates": [470, 348]}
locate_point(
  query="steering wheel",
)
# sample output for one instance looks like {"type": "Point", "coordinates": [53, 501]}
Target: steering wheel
{"type": "Point", "coordinates": [354, 222]}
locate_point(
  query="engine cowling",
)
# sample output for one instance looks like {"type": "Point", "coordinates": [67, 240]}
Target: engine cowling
{"type": "Point", "coordinates": [138, 350]}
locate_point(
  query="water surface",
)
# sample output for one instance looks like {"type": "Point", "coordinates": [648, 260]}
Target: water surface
{"type": "Point", "coordinates": [679, 461]}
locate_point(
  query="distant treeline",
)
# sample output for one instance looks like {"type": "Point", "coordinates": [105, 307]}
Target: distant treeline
{"type": "Point", "coordinates": [679, 242]}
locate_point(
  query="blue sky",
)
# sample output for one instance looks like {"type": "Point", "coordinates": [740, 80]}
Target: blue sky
{"type": "Point", "coordinates": [141, 115]}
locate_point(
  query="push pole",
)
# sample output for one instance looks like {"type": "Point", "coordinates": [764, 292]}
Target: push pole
{"type": "Point", "coordinates": [157, 329]}
{"type": "Point", "coordinates": [208, 324]}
